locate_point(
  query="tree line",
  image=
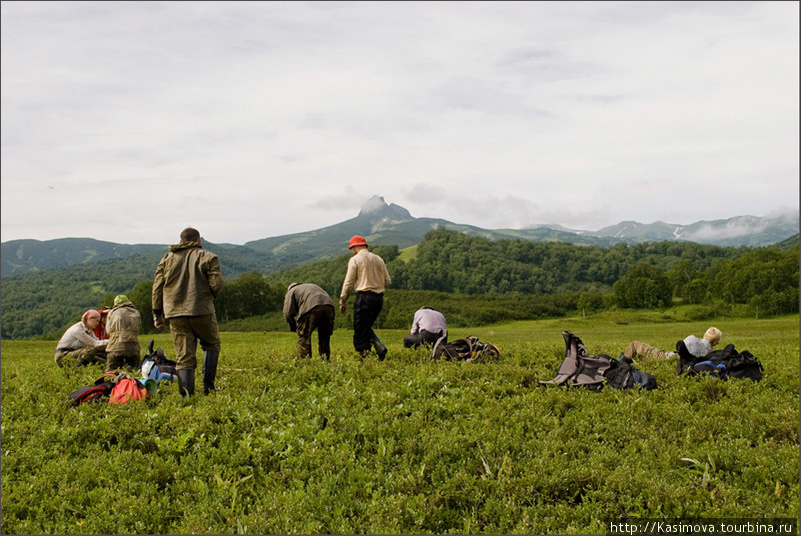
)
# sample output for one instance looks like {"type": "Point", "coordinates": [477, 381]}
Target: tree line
{"type": "Point", "coordinates": [473, 280]}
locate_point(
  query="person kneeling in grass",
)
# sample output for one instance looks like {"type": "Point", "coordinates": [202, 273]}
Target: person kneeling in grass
{"type": "Point", "coordinates": [123, 335]}
{"type": "Point", "coordinates": [79, 346]}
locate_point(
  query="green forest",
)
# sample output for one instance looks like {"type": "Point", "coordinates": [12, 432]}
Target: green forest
{"type": "Point", "coordinates": [473, 280]}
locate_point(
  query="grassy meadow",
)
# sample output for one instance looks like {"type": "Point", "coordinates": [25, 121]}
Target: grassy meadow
{"type": "Point", "coordinates": [406, 445]}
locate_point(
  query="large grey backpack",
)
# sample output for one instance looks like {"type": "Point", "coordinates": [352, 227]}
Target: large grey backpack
{"type": "Point", "coordinates": [579, 369]}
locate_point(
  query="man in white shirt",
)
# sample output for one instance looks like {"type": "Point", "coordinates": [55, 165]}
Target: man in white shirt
{"type": "Point", "coordinates": [427, 327]}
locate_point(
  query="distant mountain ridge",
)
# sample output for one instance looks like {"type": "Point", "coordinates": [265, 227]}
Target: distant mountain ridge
{"type": "Point", "coordinates": [387, 224]}
{"type": "Point", "coordinates": [738, 231]}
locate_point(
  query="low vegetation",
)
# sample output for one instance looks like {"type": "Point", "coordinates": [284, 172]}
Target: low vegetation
{"type": "Point", "coordinates": [406, 445]}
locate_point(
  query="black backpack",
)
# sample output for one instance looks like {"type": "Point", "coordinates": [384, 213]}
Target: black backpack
{"type": "Point", "coordinates": [160, 359]}
{"type": "Point", "coordinates": [97, 391]}
{"type": "Point", "coordinates": [622, 374]}
{"type": "Point", "coordinates": [469, 349]}
{"type": "Point", "coordinates": [723, 364]}
{"type": "Point", "coordinates": [579, 369]}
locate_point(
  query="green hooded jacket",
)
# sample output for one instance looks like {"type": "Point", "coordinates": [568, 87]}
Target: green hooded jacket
{"type": "Point", "coordinates": [187, 280]}
{"type": "Point", "coordinates": [123, 328]}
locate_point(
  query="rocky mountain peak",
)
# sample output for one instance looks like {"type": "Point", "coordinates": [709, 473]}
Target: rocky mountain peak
{"type": "Point", "coordinates": [376, 207]}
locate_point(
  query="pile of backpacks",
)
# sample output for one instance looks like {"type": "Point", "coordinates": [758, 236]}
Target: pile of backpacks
{"type": "Point", "coordinates": [580, 369]}
{"type": "Point", "coordinates": [722, 364]}
{"type": "Point", "coordinates": [120, 387]}
{"type": "Point", "coordinates": [469, 349]}
{"type": "Point", "coordinates": [155, 366]}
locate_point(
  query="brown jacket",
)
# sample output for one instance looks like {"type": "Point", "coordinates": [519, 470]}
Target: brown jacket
{"type": "Point", "coordinates": [187, 280]}
{"type": "Point", "coordinates": [123, 329]}
{"type": "Point", "coordinates": [302, 298]}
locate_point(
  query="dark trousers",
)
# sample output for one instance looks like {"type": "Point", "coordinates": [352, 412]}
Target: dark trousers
{"type": "Point", "coordinates": [423, 337]}
{"type": "Point", "coordinates": [320, 318]}
{"type": "Point", "coordinates": [117, 360]}
{"type": "Point", "coordinates": [365, 312]}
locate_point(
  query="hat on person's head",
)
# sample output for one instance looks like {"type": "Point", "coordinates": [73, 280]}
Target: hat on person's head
{"type": "Point", "coordinates": [120, 298]}
{"type": "Point", "coordinates": [91, 313]}
{"type": "Point", "coordinates": [713, 335]}
{"type": "Point", "coordinates": [357, 240]}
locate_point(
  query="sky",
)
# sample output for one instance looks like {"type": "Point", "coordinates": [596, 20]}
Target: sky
{"type": "Point", "coordinates": [129, 121]}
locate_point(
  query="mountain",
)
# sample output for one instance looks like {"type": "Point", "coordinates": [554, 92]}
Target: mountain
{"type": "Point", "coordinates": [20, 256]}
{"type": "Point", "coordinates": [739, 231]}
{"type": "Point", "coordinates": [23, 256]}
{"type": "Point", "coordinates": [789, 243]}
{"type": "Point", "coordinates": [381, 223]}
{"type": "Point", "coordinates": [389, 224]}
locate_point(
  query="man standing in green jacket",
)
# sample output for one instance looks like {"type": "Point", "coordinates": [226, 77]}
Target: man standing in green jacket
{"type": "Point", "coordinates": [187, 280]}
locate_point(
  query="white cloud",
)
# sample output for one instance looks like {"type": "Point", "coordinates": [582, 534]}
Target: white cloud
{"type": "Point", "coordinates": [256, 119]}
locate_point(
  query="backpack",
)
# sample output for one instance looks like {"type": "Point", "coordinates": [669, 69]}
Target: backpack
{"type": "Point", "coordinates": [722, 364]}
{"type": "Point", "coordinates": [100, 389]}
{"type": "Point", "coordinates": [622, 374]}
{"type": "Point", "coordinates": [127, 389]}
{"type": "Point", "coordinates": [156, 366]}
{"type": "Point", "coordinates": [469, 349]}
{"type": "Point", "coordinates": [579, 369]}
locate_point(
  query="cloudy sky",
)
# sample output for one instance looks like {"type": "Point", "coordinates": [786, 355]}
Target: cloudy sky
{"type": "Point", "coordinates": [127, 122]}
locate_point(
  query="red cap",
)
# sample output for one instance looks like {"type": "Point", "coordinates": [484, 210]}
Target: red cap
{"type": "Point", "coordinates": [357, 241]}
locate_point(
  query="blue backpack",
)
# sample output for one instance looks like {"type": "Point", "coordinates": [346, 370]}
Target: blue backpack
{"type": "Point", "coordinates": [156, 366]}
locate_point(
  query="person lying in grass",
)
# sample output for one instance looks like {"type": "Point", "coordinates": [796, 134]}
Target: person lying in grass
{"type": "Point", "coordinates": [697, 347]}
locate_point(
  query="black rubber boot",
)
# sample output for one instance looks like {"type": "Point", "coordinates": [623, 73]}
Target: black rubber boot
{"type": "Point", "coordinates": [186, 381]}
{"type": "Point", "coordinates": [380, 349]}
{"type": "Point", "coordinates": [209, 371]}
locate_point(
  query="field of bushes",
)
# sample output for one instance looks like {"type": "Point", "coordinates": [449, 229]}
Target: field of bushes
{"type": "Point", "coordinates": [407, 445]}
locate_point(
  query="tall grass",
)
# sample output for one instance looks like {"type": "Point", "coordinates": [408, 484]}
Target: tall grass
{"type": "Point", "coordinates": [406, 445]}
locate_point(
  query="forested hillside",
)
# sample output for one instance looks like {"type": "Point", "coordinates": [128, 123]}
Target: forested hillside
{"type": "Point", "coordinates": [506, 279]}
{"type": "Point", "coordinates": [447, 261]}
{"type": "Point", "coordinates": [44, 302]}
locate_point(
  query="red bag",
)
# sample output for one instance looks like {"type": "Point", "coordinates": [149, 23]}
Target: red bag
{"type": "Point", "coordinates": [127, 389]}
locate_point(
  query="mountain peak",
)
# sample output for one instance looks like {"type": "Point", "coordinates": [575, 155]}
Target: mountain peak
{"type": "Point", "coordinates": [376, 206]}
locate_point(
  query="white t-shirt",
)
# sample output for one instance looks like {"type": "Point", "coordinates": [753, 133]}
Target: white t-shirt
{"type": "Point", "coordinates": [697, 347]}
